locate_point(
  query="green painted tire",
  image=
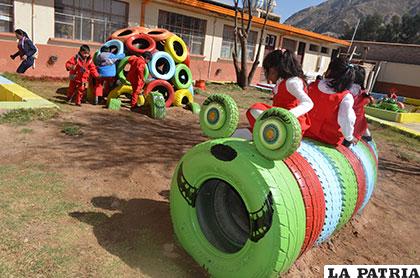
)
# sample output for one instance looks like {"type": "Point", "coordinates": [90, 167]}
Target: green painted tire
{"type": "Point", "coordinates": [194, 107]}
{"type": "Point", "coordinates": [155, 103]}
{"type": "Point", "coordinates": [121, 75]}
{"type": "Point", "coordinates": [347, 180]}
{"type": "Point", "coordinates": [183, 77]}
{"type": "Point", "coordinates": [235, 212]}
{"type": "Point", "coordinates": [219, 116]}
{"type": "Point", "coordinates": [277, 133]}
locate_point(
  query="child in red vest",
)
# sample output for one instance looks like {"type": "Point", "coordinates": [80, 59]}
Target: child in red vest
{"type": "Point", "coordinates": [282, 67]}
{"type": "Point", "coordinates": [81, 67]}
{"type": "Point", "coordinates": [333, 117]}
{"type": "Point", "coordinates": [361, 99]}
{"type": "Point", "coordinates": [136, 75]}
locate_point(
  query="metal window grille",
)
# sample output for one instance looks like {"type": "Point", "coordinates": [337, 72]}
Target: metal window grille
{"type": "Point", "coordinates": [228, 43]}
{"type": "Point", "coordinates": [89, 20]}
{"type": "Point", "coordinates": [6, 15]}
{"type": "Point", "coordinates": [192, 30]}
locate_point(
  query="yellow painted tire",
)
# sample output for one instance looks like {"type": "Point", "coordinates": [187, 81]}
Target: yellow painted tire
{"type": "Point", "coordinates": [183, 97]}
{"type": "Point", "coordinates": [177, 48]}
{"type": "Point", "coordinates": [124, 89]}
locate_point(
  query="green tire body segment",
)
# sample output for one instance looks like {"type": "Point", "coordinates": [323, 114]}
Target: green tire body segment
{"type": "Point", "coordinates": [155, 102]}
{"type": "Point", "coordinates": [219, 116]}
{"type": "Point", "coordinates": [347, 179]}
{"type": "Point", "coordinates": [120, 71]}
{"type": "Point", "coordinates": [277, 133]}
{"type": "Point", "coordinates": [254, 178]}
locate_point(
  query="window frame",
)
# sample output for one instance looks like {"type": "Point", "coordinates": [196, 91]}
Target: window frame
{"type": "Point", "coordinates": [231, 43]}
{"type": "Point", "coordinates": [11, 16]}
{"type": "Point", "coordinates": [316, 46]}
{"type": "Point", "coordinates": [325, 50]}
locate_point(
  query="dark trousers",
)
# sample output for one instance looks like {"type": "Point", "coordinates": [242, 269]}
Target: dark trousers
{"type": "Point", "coordinates": [25, 65]}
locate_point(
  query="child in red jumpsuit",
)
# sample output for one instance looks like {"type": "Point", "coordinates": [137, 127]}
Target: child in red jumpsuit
{"type": "Point", "coordinates": [81, 67]}
{"type": "Point", "coordinates": [282, 67]}
{"type": "Point", "coordinates": [333, 117]}
{"type": "Point", "coordinates": [361, 99]}
{"type": "Point", "coordinates": [136, 75]}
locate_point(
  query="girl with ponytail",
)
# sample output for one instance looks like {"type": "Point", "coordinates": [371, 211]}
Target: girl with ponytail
{"type": "Point", "coordinates": [333, 116]}
{"type": "Point", "coordinates": [281, 67]}
{"type": "Point", "coordinates": [26, 51]}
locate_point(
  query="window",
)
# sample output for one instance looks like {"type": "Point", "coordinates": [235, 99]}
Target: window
{"type": "Point", "coordinates": [325, 50]}
{"type": "Point", "coordinates": [289, 44]}
{"type": "Point", "coordinates": [228, 43]}
{"type": "Point", "coordinates": [314, 47]}
{"type": "Point", "coordinates": [192, 30]}
{"type": "Point", "coordinates": [89, 20]}
{"type": "Point", "coordinates": [6, 16]}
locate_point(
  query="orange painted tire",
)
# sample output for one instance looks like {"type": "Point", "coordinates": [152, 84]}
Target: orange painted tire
{"type": "Point", "coordinates": [142, 30]}
{"type": "Point", "coordinates": [140, 43]}
{"type": "Point", "coordinates": [159, 34]}
{"type": "Point", "coordinates": [163, 87]}
{"type": "Point", "coordinates": [124, 34]}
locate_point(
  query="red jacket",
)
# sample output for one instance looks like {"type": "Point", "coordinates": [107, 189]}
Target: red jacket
{"type": "Point", "coordinates": [286, 100]}
{"type": "Point", "coordinates": [84, 68]}
{"type": "Point", "coordinates": [324, 116]}
{"type": "Point", "coordinates": [360, 125]}
{"type": "Point", "coordinates": [136, 74]}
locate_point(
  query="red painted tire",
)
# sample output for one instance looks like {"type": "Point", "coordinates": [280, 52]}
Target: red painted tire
{"type": "Point", "coordinates": [313, 198]}
{"type": "Point", "coordinates": [360, 175]}
{"type": "Point", "coordinates": [163, 87]}
{"type": "Point", "coordinates": [124, 34]}
{"type": "Point", "coordinates": [187, 61]}
{"type": "Point", "coordinates": [159, 34]}
{"type": "Point", "coordinates": [140, 43]}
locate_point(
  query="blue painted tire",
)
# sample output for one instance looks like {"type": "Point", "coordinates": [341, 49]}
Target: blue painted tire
{"type": "Point", "coordinates": [168, 68]}
{"type": "Point", "coordinates": [191, 89]}
{"type": "Point", "coordinates": [369, 169]}
{"type": "Point", "coordinates": [330, 185]}
{"type": "Point", "coordinates": [117, 43]}
{"type": "Point", "coordinates": [374, 148]}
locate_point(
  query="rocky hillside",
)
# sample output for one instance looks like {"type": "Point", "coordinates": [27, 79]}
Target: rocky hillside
{"type": "Point", "coordinates": [335, 16]}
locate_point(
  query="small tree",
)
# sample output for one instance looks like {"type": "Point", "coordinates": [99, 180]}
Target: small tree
{"type": "Point", "coordinates": [241, 33]}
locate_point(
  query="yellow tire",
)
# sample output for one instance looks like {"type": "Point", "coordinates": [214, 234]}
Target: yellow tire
{"type": "Point", "coordinates": [177, 48]}
{"type": "Point", "coordinates": [182, 97]}
{"type": "Point", "coordinates": [124, 89]}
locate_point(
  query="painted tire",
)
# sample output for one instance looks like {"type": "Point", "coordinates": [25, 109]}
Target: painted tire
{"type": "Point", "coordinates": [183, 77]}
{"type": "Point", "coordinates": [159, 34]}
{"type": "Point", "coordinates": [155, 103]}
{"type": "Point", "coordinates": [194, 107]}
{"type": "Point", "coordinates": [372, 152]}
{"type": "Point", "coordinates": [96, 56]}
{"type": "Point", "coordinates": [191, 89]}
{"type": "Point", "coordinates": [227, 224]}
{"type": "Point", "coordinates": [187, 61]}
{"type": "Point", "coordinates": [277, 133]}
{"type": "Point", "coordinates": [369, 169]}
{"type": "Point", "coordinates": [162, 59]}
{"type": "Point", "coordinates": [176, 46]}
{"type": "Point", "coordinates": [346, 178]}
{"type": "Point", "coordinates": [116, 44]}
{"type": "Point", "coordinates": [162, 87]}
{"type": "Point", "coordinates": [121, 90]}
{"type": "Point", "coordinates": [313, 197]}
{"type": "Point", "coordinates": [141, 29]}
{"type": "Point", "coordinates": [140, 43]}
{"type": "Point", "coordinates": [360, 175]}
{"type": "Point", "coordinates": [124, 34]}
{"type": "Point", "coordinates": [121, 74]}
{"type": "Point", "coordinates": [330, 185]}
{"type": "Point", "coordinates": [219, 116]}
{"type": "Point", "coordinates": [372, 144]}
{"type": "Point", "coordinates": [182, 98]}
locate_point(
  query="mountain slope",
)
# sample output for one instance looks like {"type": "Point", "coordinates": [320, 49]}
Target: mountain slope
{"type": "Point", "coordinates": [334, 16]}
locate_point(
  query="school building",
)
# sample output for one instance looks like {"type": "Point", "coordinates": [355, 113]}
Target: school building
{"type": "Point", "coordinates": [59, 27]}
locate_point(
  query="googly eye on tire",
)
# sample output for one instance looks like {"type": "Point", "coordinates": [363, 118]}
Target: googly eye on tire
{"type": "Point", "coordinates": [277, 133]}
{"type": "Point", "coordinates": [219, 116]}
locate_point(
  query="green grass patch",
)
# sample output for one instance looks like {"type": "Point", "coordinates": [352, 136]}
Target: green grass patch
{"type": "Point", "coordinates": [26, 130]}
{"type": "Point", "coordinates": [24, 116]}
{"type": "Point", "coordinates": [72, 129]}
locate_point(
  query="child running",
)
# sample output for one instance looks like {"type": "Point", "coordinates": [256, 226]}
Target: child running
{"type": "Point", "coordinates": [107, 71]}
{"type": "Point", "coordinates": [361, 99]}
{"type": "Point", "coordinates": [333, 117]}
{"type": "Point", "coordinates": [281, 67]}
{"type": "Point", "coordinates": [81, 68]}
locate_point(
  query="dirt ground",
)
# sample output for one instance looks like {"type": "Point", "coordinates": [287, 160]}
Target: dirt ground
{"type": "Point", "coordinates": [96, 204]}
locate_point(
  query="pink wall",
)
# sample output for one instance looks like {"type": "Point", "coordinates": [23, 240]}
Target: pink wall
{"type": "Point", "coordinates": [222, 70]}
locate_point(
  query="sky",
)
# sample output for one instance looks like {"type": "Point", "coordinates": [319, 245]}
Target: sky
{"type": "Point", "coordinates": [286, 8]}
